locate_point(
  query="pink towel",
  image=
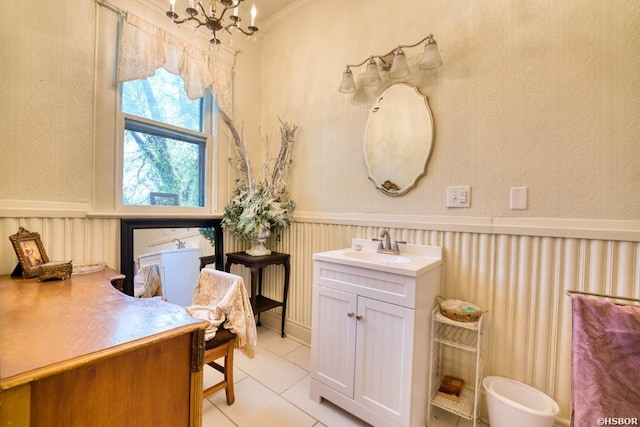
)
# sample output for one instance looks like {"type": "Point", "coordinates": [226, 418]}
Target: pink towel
{"type": "Point", "coordinates": [605, 361]}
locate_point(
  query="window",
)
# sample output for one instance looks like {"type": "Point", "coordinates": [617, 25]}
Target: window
{"type": "Point", "coordinates": [165, 143]}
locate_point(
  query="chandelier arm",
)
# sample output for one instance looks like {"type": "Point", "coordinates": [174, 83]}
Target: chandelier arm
{"type": "Point", "coordinates": [189, 18]}
{"type": "Point", "coordinates": [246, 33]}
{"type": "Point", "coordinates": [206, 15]}
{"type": "Point", "coordinates": [202, 9]}
{"type": "Point", "coordinates": [390, 52]}
{"type": "Point", "coordinates": [225, 11]}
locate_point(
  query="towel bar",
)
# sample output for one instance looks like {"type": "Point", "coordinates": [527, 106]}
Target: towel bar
{"type": "Point", "coordinates": [593, 294]}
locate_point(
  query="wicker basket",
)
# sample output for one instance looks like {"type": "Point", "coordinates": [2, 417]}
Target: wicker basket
{"type": "Point", "coordinates": [461, 311]}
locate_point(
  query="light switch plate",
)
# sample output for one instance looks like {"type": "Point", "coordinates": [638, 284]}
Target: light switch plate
{"type": "Point", "coordinates": [518, 198]}
{"type": "Point", "coordinates": [459, 196]}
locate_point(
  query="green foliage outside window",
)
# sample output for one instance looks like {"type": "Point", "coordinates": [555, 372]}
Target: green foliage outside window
{"type": "Point", "coordinates": [164, 153]}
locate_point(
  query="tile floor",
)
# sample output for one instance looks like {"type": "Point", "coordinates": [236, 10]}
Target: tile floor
{"type": "Point", "coordinates": [273, 390]}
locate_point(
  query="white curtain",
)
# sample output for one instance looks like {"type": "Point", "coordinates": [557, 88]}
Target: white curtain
{"type": "Point", "coordinates": [145, 48]}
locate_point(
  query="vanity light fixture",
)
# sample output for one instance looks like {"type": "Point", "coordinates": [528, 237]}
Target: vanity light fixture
{"type": "Point", "coordinates": [395, 62]}
{"type": "Point", "coordinates": [197, 17]}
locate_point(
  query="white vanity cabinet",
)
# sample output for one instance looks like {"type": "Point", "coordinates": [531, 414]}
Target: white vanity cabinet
{"type": "Point", "coordinates": [371, 339]}
{"type": "Point", "coordinates": [179, 271]}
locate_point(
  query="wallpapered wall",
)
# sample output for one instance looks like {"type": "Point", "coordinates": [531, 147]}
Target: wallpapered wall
{"type": "Point", "coordinates": [46, 101]}
{"type": "Point", "coordinates": [542, 94]}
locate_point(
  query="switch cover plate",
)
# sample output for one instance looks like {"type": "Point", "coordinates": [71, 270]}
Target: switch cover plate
{"type": "Point", "coordinates": [459, 196]}
{"type": "Point", "coordinates": [518, 199]}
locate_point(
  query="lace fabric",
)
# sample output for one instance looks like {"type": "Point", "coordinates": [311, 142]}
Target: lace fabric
{"type": "Point", "coordinates": [145, 48]}
{"type": "Point", "coordinates": [221, 299]}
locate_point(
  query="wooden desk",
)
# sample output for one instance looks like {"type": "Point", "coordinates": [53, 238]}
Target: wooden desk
{"type": "Point", "coordinates": [260, 303]}
{"type": "Point", "coordinates": [80, 353]}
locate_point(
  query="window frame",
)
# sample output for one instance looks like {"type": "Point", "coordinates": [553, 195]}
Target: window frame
{"type": "Point", "coordinates": [208, 122]}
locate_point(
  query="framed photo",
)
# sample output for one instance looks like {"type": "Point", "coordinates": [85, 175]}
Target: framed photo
{"type": "Point", "coordinates": [30, 252]}
{"type": "Point", "coordinates": [165, 199]}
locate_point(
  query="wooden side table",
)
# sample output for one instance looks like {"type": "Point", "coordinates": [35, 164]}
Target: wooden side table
{"type": "Point", "coordinates": [260, 303]}
{"type": "Point", "coordinates": [208, 259]}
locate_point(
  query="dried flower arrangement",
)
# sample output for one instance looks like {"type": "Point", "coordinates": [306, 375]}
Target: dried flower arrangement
{"type": "Point", "coordinates": [262, 203]}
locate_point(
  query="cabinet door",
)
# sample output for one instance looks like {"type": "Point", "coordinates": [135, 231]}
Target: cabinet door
{"type": "Point", "coordinates": [180, 271]}
{"type": "Point", "coordinates": [333, 338]}
{"type": "Point", "coordinates": [384, 353]}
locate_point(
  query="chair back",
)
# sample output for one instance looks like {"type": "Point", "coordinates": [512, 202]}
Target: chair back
{"type": "Point", "coordinates": [221, 298]}
{"type": "Point", "coordinates": [147, 282]}
{"type": "Point", "coordinates": [212, 286]}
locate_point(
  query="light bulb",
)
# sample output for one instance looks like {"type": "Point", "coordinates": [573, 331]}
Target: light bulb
{"type": "Point", "coordinates": [254, 12]}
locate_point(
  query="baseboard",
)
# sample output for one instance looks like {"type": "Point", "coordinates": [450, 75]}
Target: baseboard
{"type": "Point", "coordinates": [292, 330]}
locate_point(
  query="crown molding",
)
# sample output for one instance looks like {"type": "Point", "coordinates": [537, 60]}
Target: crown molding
{"type": "Point", "coordinates": [277, 18]}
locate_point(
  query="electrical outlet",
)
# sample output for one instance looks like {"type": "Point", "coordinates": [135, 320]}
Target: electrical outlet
{"type": "Point", "coordinates": [459, 197]}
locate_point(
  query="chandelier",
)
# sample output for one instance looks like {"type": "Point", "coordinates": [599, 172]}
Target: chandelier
{"type": "Point", "coordinates": [197, 16]}
{"type": "Point", "coordinates": [394, 62]}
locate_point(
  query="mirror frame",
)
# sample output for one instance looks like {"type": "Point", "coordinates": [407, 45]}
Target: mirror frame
{"type": "Point", "coordinates": [127, 227]}
{"type": "Point", "coordinates": [382, 186]}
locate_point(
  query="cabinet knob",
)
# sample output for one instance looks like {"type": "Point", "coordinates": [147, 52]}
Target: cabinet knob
{"type": "Point", "coordinates": [358, 317]}
{"type": "Point", "coordinates": [350, 314]}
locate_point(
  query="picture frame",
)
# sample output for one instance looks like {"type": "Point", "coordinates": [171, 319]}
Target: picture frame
{"type": "Point", "coordinates": [164, 199]}
{"type": "Point", "coordinates": [30, 252]}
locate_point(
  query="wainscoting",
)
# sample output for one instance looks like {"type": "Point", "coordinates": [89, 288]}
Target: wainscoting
{"type": "Point", "coordinates": [520, 279]}
{"type": "Point", "coordinates": [518, 270]}
{"type": "Point", "coordinates": [82, 240]}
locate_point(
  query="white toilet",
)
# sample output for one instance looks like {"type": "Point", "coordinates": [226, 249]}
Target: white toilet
{"type": "Point", "coordinates": [512, 403]}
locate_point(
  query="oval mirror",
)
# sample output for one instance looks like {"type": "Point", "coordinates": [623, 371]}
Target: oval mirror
{"type": "Point", "coordinates": [398, 139]}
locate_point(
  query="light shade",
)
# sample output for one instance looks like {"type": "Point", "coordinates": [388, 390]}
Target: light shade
{"type": "Point", "coordinates": [347, 85]}
{"type": "Point", "coordinates": [431, 56]}
{"type": "Point", "coordinates": [372, 76]}
{"type": "Point", "coordinates": [393, 63]}
{"type": "Point", "coordinates": [399, 67]}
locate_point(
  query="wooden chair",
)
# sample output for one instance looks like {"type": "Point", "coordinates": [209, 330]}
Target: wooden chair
{"type": "Point", "coordinates": [147, 282]}
{"type": "Point", "coordinates": [221, 345]}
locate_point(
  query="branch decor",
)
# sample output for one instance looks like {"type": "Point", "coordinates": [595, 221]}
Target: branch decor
{"type": "Point", "coordinates": [261, 204]}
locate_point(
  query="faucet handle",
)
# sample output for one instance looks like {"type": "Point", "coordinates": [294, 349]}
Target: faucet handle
{"type": "Point", "coordinates": [396, 249]}
{"type": "Point", "coordinates": [380, 244]}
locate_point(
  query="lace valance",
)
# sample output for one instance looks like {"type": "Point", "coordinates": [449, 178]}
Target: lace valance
{"type": "Point", "coordinates": [145, 48]}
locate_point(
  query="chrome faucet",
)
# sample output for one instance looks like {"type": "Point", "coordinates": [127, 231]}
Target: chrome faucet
{"type": "Point", "coordinates": [387, 240]}
{"type": "Point", "coordinates": [385, 245]}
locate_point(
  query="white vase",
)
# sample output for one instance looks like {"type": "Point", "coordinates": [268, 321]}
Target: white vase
{"type": "Point", "coordinates": [258, 248]}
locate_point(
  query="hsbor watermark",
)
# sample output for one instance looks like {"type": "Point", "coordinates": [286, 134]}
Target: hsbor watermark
{"type": "Point", "coordinates": [617, 421]}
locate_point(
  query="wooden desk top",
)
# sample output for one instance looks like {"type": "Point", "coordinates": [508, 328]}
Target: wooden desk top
{"type": "Point", "coordinates": [49, 327]}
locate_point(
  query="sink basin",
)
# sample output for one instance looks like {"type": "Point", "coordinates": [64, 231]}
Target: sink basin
{"type": "Point", "coordinates": [414, 260]}
{"type": "Point", "coordinates": [377, 257]}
